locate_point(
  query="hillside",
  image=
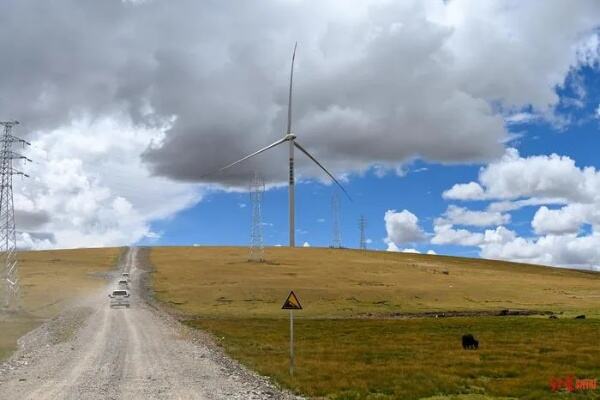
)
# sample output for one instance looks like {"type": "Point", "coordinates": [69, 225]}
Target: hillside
{"type": "Point", "coordinates": [352, 340]}
{"type": "Point", "coordinates": [219, 281]}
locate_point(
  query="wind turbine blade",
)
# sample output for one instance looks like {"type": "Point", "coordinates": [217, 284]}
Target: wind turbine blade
{"type": "Point", "coordinates": [323, 168]}
{"type": "Point", "coordinates": [252, 155]}
{"type": "Point", "coordinates": [289, 125]}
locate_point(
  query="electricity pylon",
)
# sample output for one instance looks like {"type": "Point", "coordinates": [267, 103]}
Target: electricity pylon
{"type": "Point", "coordinates": [257, 191]}
{"type": "Point", "coordinates": [362, 224]}
{"type": "Point", "coordinates": [8, 234]}
{"type": "Point", "coordinates": [336, 239]}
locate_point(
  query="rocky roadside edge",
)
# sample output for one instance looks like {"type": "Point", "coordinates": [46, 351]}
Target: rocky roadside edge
{"type": "Point", "coordinates": [54, 335]}
{"type": "Point", "coordinates": [200, 337]}
{"type": "Point", "coordinates": [50, 337]}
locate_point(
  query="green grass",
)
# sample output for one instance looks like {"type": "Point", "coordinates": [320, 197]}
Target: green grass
{"type": "Point", "coordinates": [417, 358]}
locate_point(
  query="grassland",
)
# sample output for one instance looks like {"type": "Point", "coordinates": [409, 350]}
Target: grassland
{"type": "Point", "coordinates": [51, 281]}
{"type": "Point", "coordinates": [348, 344]}
{"type": "Point", "coordinates": [416, 358]}
{"type": "Point", "coordinates": [220, 282]}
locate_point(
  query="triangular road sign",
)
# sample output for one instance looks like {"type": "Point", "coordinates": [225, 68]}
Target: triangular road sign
{"type": "Point", "coordinates": [292, 302]}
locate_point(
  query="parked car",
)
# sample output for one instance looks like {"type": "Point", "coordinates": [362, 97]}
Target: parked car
{"type": "Point", "coordinates": [119, 297]}
{"type": "Point", "coordinates": [125, 275]}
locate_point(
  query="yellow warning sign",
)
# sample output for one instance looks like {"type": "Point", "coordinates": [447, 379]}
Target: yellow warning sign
{"type": "Point", "coordinates": [292, 302]}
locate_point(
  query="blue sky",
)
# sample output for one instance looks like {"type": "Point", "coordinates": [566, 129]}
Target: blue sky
{"type": "Point", "coordinates": [460, 127]}
{"type": "Point", "coordinates": [225, 218]}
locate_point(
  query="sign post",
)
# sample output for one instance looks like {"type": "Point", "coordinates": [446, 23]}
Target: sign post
{"type": "Point", "coordinates": [291, 342]}
{"type": "Point", "coordinates": [292, 303]}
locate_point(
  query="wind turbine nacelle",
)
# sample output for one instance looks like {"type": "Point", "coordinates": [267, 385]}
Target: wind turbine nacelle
{"type": "Point", "coordinates": [290, 136]}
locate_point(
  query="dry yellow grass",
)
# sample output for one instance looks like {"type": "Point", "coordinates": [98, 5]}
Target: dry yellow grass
{"type": "Point", "coordinates": [46, 276]}
{"type": "Point", "coordinates": [50, 281]}
{"type": "Point", "coordinates": [341, 357]}
{"type": "Point", "coordinates": [220, 282]}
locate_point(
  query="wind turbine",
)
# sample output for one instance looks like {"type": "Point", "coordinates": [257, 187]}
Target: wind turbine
{"type": "Point", "coordinates": [291, 138]}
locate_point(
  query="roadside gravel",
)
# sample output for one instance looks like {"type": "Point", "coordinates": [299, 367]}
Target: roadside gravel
{"type": "Point", "coordinates": [94, 352]}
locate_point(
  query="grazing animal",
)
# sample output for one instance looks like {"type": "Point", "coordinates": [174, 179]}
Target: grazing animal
{"type": "Point", "coordinates": [553, 317]}
{"type": "Point", "coordinates": [469, 342]}
{"type": "Point", "coordinates": [580, 316]}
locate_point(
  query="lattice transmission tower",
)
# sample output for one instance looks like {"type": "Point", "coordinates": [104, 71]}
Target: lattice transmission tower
{"type": "Point", "coordinates": [257, 191]}
{"type": "Point", "coordinates": [362, 225]}
{"type": "Point", "coordinates": [8, 233]}
{"type": "Point", "coordinates": [336, 235]}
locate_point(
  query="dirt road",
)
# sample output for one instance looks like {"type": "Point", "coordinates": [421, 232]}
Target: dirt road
{"type": "Point", "coordinates": [134, 353]}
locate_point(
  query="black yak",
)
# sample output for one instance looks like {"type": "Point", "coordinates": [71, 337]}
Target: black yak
{"type": "Point", "coordinates": [580, 317]}
{"type": "Point", "coordinates": [469, 342]}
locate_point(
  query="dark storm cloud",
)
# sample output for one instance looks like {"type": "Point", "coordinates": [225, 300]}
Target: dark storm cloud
{"type": "Point", "coordinates": [31, 220]}
{"type": "Point", "coordinates": [375, 84]}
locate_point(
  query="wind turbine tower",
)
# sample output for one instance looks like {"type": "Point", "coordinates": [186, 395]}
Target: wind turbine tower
{"type": "Point", "coordinates": [291, 138]}
{"type": "Point", "coordinates": [8, 234]}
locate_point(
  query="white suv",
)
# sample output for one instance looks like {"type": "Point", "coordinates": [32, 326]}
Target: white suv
{"type": "Point", "coordinates": [119, 297]}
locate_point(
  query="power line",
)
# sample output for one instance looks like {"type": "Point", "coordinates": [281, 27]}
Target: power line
{"type": "Point", "coordinates": [336, 235]}
{"type": "Point", "coordinates": [8, 238]}
{"type": "Point", "coordinates": [362, 224]}
{"type": "Point", "coordinates": [257, 191]}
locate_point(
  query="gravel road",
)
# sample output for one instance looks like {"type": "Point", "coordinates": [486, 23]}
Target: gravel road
{"type": "Point", "coordinates": [135, 353]}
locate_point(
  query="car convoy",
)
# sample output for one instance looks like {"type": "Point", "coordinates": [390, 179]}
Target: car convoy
{"type": "Point", "coordinates": [120, 296]}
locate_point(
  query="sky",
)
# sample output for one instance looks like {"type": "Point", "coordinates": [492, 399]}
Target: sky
{"type": "Point", "coordinates": [458, 127]}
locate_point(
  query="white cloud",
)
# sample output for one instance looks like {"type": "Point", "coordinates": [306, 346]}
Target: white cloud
{"type": "Point", "coordinates": [402, 227]}
{"type": "Point", "coordinates": [447, 234]}
{"type": "Point", "coordinates": [461, 216]}
{"type": "Point", "coordinates": [567, 219]}
{"type": "Point", "coordinates": [507, 205]}
{"type": "Point", "coordinates": [411, 251]}
{"type": "Point", "coordinates": [520, 118]}
{"type": "Point", "coordinates": [464, 191]}
{"type": "Point", "coordinates": [540, 180]}
{"type": "Point", "coordinates": [558, 242]}
{"type": "Point", "coordinates": [392, 247]}
{"type": "Point", "coordinates": [89, 183]}
{"type": "Point", "coordinates": [560, 221]}
{"type": "Point", "coordinates": [559, 250]}
{"type": "Point", "coordinates": [542, 176]}
{"type": "Point", "coordinates": [306, 244]}
{"type": "Point", "coordinates": [431, 252]}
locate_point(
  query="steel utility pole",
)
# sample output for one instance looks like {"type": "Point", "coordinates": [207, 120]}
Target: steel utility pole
{"type": "Point", "coordinates": [256, 193]}
{"type": "Point", "coordinates": [8, 234]}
